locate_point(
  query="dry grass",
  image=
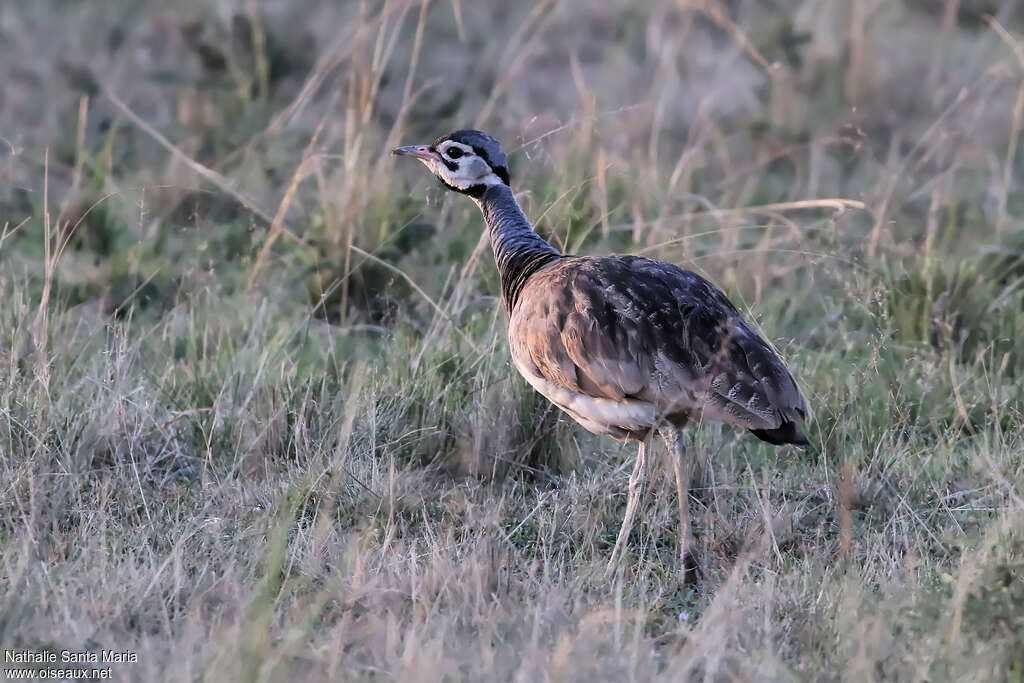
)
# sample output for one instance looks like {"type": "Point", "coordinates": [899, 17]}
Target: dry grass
{"type": "Point", "coordinates": [257, 420]}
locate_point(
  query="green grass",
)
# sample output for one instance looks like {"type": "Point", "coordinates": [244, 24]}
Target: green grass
{"type": "Point", "coordinates": [257, 415]}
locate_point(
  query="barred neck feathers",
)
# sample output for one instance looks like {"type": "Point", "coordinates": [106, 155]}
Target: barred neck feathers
{"type": "Point", "coordinates": [519, 252]}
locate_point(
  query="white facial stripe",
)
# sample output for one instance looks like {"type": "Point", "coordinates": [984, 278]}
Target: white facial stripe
{"type": "Point", "coordinates": [466, 183]}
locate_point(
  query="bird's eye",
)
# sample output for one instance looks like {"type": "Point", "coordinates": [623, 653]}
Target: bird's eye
{"type": "Point", "coordinates": [453, 152]}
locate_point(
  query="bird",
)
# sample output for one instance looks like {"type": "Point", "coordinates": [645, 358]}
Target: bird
{"type": "Point", "coordinates": [627, 346]}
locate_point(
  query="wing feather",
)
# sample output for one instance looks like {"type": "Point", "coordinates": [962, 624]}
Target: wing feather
{"type": "Point", "coordinates": [631, 329]}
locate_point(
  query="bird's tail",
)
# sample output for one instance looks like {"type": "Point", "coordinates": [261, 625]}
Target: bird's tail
{"type": "Point", "coordinates": [787, 433]}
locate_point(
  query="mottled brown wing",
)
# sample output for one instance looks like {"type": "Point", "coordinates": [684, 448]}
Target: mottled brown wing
{"type": "Point", "coordinates": [578, 339]}
{"type": "Point", "coordinates": [625, 327]}
{"type": "Point", "coordinates": [750, 384]}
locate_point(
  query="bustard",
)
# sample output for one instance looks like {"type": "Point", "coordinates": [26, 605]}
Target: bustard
{"type": "Point", "coordinates": [627, 346]}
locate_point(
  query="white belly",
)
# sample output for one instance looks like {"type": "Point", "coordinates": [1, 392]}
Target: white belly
{"type": "Point", "coordinates": [598, 415]}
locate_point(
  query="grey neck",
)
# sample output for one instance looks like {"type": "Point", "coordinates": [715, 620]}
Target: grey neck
{"type": "Point", "coordinates": [519, 252]}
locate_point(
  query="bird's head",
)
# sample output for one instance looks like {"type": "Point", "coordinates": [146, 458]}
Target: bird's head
{"type": "Point", "coordinates": [465, 161]}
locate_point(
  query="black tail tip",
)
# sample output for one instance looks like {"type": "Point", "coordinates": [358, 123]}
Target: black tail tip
{"type": "Point", "coordinates": [788, 433]}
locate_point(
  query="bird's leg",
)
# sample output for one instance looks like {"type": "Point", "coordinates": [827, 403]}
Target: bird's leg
{"type": "Point", "coordinates": [683, 467]}
{"type": "Point", "coordinates": [637, 481]}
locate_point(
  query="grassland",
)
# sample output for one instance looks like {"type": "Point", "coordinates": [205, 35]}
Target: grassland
{"type": "Point", "coordinates": [257, 416]}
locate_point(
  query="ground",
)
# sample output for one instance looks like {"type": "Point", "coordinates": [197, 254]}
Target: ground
{"type": "Point", "coordinates": [257, 415]}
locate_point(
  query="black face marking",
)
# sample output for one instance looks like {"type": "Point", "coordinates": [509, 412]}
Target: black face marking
{"type": "Point", "coordinates": [473, 190]}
